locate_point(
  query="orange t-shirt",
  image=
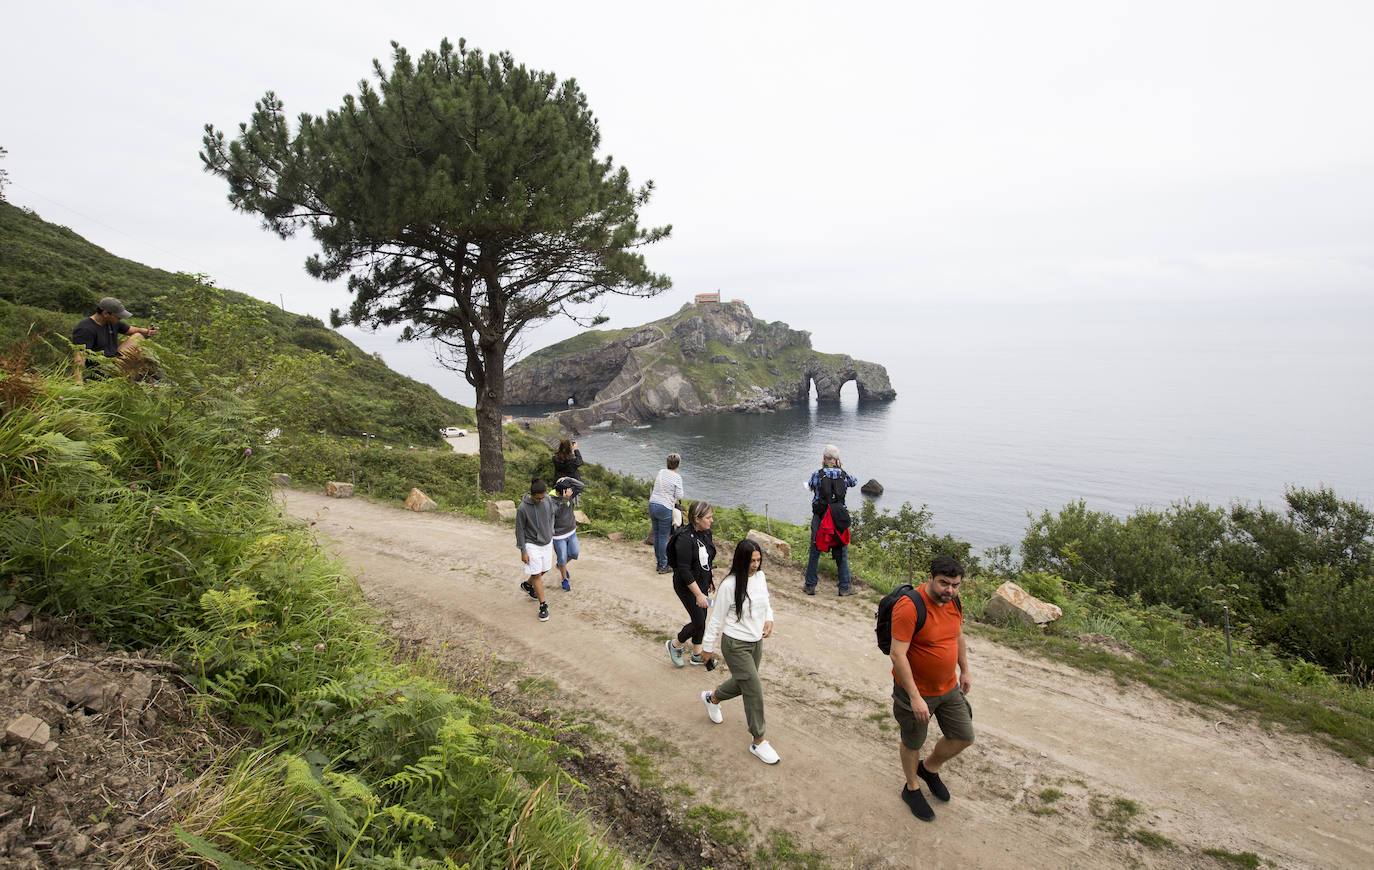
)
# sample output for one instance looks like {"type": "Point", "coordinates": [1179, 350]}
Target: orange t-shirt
{"type": "Point", "coordinates": [934, 653]}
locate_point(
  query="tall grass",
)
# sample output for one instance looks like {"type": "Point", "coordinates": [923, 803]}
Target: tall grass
{"type": "Point", "coordinates": [142, 511]}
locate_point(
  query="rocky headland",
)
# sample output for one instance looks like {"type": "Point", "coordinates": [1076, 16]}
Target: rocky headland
{"type": "Point", "coordinates": [709, 356]}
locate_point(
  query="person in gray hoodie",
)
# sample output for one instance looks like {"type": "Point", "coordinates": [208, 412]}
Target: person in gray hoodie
{"type": "Point", "coordinates": [534, 539]}
{"type": "Point", "coordinates": [565, 547]}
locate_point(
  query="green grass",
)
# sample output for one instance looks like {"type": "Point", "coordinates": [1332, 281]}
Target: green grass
{"type": "Point", "coordinates": [782, 852]}
{"type": "Point", "coordinates": [1248, 860]}
{"type": "Point", "coordinates": [730, 827]}
{"type": "Point", "coordinates": [1151, 839]}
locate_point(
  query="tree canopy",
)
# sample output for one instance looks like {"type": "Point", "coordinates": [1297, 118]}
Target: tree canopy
{"type": "Point", "coordinates": [462, 196]}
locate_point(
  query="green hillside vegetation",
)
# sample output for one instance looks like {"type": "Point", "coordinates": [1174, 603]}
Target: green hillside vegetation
{"type": "Point", "coordinates": [50, 278]}
{"type": "Point", "coordinates": [138, 510]}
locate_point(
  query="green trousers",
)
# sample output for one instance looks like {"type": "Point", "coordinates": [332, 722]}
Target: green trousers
{"type": "Point", "coordinates": [743, 658]}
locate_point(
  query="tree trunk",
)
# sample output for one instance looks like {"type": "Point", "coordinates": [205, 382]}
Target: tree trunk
{"type": "Point", "coordinates": [491, 395]}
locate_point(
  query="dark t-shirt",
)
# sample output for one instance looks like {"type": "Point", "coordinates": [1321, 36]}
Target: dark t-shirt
{"type": "Point", "coordinates": [93, 336]}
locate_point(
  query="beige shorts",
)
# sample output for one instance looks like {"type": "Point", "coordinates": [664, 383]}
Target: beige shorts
{"type": "Point", "coordinates": [541, 558]}
{"type": "Point", "coordinates": [951, 710]}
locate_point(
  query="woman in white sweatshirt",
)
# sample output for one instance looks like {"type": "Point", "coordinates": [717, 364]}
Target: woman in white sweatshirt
{"type": "Point", "coordinates": [741, 619]}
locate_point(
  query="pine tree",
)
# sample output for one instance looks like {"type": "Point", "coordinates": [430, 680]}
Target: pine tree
{"type": "Point", "coordinates": [462, 197]}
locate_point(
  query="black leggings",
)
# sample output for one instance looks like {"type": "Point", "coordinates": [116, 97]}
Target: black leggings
{"type": "Point", "coordinates": [695, 629]}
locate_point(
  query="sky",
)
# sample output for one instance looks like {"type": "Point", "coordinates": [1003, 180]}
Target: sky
{"type": "Point", "coordinates": [876, 173]}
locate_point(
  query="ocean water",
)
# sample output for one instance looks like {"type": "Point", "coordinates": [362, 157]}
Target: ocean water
{"type": "Point", "coordinates": [989, 429]}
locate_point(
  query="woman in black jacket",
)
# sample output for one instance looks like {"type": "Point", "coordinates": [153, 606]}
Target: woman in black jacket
{"type": "Point", "coordinates": [692, 551]}
{"type": "Point", "coordinates": [566, 460]}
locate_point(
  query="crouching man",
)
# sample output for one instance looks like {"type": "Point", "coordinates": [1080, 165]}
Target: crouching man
{"type": "Point", "coordinates": [925, 653]}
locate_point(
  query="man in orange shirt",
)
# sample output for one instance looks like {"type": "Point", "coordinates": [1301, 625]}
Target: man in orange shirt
{"type": "Point", "coordinates": [925, 682]}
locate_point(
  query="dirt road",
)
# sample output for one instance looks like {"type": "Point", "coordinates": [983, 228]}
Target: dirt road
{"type": "Point", "coordinates": [1201, 779]}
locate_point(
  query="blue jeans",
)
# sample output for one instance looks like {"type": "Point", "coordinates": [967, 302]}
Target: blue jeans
{"type": "Point", "coordinates": [813, 560]}
{"type": "Point", "coordinates": [661, 518]}
{"type": "Point", "coordinates": [565, 549]}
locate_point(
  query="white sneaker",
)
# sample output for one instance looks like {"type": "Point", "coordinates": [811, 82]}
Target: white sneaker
{"type": "Point", "coordinates": [712, 710]}
{"type": "Point", "coordinates": [763, 751]}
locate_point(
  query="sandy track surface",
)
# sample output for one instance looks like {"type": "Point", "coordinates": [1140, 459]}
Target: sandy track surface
{"type": "Point", "coordinates": [1200, 778]}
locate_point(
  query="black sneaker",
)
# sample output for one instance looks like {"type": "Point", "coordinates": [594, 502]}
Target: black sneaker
{"type": "Point", "coordinates": [529, 590]}
{"type": "Point", "coordinates": [543, 612]}
{"type": "Point", "coordinates": [809, 590]}
{"type": "Point", "coordinates": [937, 787]}
{"type": "Point", "coordinates": [848, 590]}
{"type": "Point", "coordinates": [664, 569]}
{"type": "Point", "coordinates": [917, 803]}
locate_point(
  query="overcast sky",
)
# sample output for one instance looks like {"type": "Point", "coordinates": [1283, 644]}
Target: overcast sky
{"type": "Point", "coordinates": [837, 165]}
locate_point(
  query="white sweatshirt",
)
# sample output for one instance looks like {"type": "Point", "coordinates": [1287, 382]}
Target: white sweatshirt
{"type": "Point", "coordinates": [757, 610]}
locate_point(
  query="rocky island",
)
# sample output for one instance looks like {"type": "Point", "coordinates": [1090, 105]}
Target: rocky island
{"type": "Point", "coordinates": [709, 356]}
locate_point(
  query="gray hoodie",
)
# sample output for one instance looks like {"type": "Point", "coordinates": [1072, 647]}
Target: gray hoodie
{"type": "Point", "coordinates": [533, 522]}
{"type": "Point", "coordinates": [564, 521]}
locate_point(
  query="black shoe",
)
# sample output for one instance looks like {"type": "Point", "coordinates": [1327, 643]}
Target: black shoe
{"type": "Point", "coordinates": [809, 590]}
{"type": "Point", "coordinates": [937, 787]}
{"type": "Point", "coordinates": [664, 569]}
{"type": "Point", "coordinates": [529, 590]}
{"type": "Point", "coordinates": [848, 590]}
{"type": "Point", "coordinates": [543, 612]}
{"type": "Point", "coordinates": [917, 802]}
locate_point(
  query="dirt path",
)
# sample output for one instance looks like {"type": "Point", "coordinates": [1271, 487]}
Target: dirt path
{"type": "Point", "coordinates": [1200, 779]}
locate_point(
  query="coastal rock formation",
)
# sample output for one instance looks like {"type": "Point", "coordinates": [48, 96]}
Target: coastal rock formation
{"type": "Point", "coordinates": [709, 356]}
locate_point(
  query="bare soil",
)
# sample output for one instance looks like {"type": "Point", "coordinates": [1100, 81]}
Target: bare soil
{"type": "Point", "coordinates": [1068, 769]}
{"type": "Point", "coordinates": [110, 759]}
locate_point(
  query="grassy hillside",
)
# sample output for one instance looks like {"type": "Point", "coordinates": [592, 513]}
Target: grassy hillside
{"type": "Point", "coordinates": [50, 277]}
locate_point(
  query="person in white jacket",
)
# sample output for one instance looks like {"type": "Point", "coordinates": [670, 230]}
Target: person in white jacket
{"type": "Point", "coordinates": [741, 619]}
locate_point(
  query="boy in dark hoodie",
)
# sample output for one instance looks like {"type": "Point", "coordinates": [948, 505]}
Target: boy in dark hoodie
{"type": "Point", "coordinates": [534, 539]}
{"type": "Point", "coordinates": [565, 548]}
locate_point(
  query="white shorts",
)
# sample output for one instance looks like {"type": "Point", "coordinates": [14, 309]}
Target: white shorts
{"type": "Point", "coordinates": [541, 558]}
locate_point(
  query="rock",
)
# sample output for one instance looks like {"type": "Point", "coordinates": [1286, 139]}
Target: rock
{"type": "Point", "coordinates": [281, 479]}
{"type": "Point", "coordinates": [774, 549]}
{"type": "Point", "coordinates": [629, 380]}
{"type": "Point", "coordinates": [873, 487]}
{"type": "Point", "coordinates": [501, 511]}
{"type": "Point", "coordinates": [419, 502]}
{"type": "Point", "coordinates": [338, 489]}
{"type": "Point", "coordinates": [581, 518]}
{"type": "Point", "coordinates": [616, 536]}
{"type": "Point", "coordinates": [20, 612]}
{"type": "Point", "coordinates": [29, 730]}
{"type": "Point", "coordinates": [136, 694]}
{"type": "Point", "coordinates": [89, 690]}
{"type": "Point", "coordinates": [1011, 601]}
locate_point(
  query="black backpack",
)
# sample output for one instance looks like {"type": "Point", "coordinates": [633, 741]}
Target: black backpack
{"type": "Point", "coordinates": [884, 614]}
{"type": "Point", "coordinates": [672, 547]}
{"type": "Point", "coordinates": [831, 490]}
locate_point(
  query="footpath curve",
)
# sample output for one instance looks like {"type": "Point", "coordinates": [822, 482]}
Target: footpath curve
{"type": "Point", "coordinates": [1041, 725]}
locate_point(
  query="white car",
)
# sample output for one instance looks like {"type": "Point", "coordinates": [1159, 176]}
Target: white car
{"type": "Point", "coordinates": [453, 432]}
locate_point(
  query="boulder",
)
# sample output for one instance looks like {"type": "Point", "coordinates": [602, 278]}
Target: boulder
{"type": "Point", "coordinates": [419, 502]}
{"type": "Point", "coordinates": [338, 489]}
{"type": "Point", "coordinates": [581, 518]}
{"type": "Point", "coordinates": [1011, 601]}
{"type": "Point", "coordinates": [774, 549]}
{"type": "Point", "coordinates": [501, 511]}
{"type": "Point", "coordinates": [281, 479]}
{"type": "Point", "coordinates": [29, 730]}
{"type": "Point", "coordinates": [873, 487]}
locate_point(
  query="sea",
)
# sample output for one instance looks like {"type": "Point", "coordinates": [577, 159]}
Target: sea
{"type": "Point", "coordinates": [999, 422]}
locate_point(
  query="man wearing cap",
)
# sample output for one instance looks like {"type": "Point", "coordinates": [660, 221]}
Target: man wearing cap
{"type": "Point", "coordinates": [100, 332]}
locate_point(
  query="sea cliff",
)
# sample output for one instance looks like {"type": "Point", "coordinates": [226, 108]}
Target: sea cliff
{"type": "Point", "coordinates": [709, 356]}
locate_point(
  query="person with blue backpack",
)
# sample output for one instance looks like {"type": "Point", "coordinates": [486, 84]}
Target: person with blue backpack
{"type": "Point", "coordinates": [830, 520]}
